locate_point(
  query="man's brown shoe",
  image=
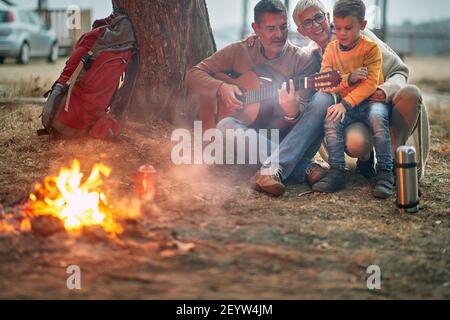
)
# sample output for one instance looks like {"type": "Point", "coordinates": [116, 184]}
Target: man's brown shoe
{"type": "Point", "coordinates": [314, 173]}
{"type": "Point", "coordinates": [269, 181]}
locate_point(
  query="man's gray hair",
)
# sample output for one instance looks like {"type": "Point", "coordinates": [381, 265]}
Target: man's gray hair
{"type": "Point", "coordinates": [302, 5]}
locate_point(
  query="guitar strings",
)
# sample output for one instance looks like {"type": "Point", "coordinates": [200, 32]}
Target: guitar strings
{"type": "Point", "coordinates": [267, 92]}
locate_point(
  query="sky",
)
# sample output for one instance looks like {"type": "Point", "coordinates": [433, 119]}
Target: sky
{"type": "Point", "coordinates": [399, 10]}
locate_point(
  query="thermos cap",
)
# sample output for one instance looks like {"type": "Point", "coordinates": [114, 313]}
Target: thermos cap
{"type": "Point", "coordinates": [406, 154]}
{"type": "Point", "coordinates": [146, 169]}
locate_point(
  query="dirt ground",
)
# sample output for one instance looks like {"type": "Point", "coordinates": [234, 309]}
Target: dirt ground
{"type": "Point", "coordinates": [209, 236]}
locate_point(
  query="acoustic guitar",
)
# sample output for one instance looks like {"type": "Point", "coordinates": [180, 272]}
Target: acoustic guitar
{"type": "Point", "coordinates": [260, 94]}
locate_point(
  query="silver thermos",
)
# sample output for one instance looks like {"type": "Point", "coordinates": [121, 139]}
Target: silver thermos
{"type": "Point", "coordinates": [407, 182]}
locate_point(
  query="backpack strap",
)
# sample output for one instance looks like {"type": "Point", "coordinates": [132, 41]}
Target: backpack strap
{"type": "Point", "coordinates": [73, 78]}
{"type": "Point", "coordinates": [124, 95]}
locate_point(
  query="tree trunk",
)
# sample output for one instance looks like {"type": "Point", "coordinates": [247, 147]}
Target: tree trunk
{"type": "Point", "coordinates": [172, 35]}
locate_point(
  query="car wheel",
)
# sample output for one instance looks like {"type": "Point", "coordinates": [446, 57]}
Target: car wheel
{"type": "Point", "coordinates": [54, 53]}
{"type": "Point", "coordinates": [2, 60]}
{"type": "Point", "coordinates": [24, 55]}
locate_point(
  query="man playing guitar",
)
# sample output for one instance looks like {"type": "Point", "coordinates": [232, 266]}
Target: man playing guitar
{"type": "Point", "coordinates": [297, 113]}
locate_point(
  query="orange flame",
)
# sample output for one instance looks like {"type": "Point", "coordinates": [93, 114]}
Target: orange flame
{"type": "Point", "coordinates": [6, 227]}
{"type": "Point", "coordinates": [77, 203]}
{"type": "Point", "coordinates": [25, 225]}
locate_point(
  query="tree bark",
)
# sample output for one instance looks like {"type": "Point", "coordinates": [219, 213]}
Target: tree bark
{"type": "Point", "coordinates": [172, 35]}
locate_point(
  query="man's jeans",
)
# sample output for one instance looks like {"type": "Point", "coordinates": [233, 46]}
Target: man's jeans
{"type": "Point", "coordinates": [376, 116]}
{"type": "Point", "coordinates": [295, 152]}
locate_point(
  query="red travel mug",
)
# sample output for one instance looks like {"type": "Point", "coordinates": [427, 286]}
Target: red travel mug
{"type": "Point", "coordinates": [145, 182]}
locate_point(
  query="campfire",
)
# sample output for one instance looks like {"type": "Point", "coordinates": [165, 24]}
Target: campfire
{"type": "Point", "coordinates": [76, 202]}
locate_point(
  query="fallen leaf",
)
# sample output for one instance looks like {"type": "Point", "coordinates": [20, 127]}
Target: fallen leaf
{"type": "Point", "coordinates": [185, 247]}
{"type": "Point", "coordinates": [199, 198]}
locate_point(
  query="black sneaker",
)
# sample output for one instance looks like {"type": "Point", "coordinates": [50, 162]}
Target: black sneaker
{"type": "Point", "coordinates": [333, 181]}
{"type": "Point", "coordinates": [384, 185]}
{"type": "Point", "coordinates": [366, 168]}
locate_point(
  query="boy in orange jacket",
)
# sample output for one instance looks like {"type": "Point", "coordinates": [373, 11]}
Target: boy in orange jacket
{"type": "Point", "coordinates": [359, 61]}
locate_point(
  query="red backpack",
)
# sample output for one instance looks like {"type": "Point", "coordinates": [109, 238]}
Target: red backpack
{"type": "Point", "coordinates": [96, 84]}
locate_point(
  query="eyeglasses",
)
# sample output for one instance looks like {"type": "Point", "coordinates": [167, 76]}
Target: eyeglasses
{"type": "Point", "coordinates": [319, 19]}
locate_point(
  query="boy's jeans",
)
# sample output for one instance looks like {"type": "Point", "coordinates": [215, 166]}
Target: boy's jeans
{"type": "Point", "coordinates": [376, 116]}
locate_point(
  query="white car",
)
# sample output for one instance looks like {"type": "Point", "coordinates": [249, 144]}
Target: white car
{"type": "Point", "coordinates": [23, 35]}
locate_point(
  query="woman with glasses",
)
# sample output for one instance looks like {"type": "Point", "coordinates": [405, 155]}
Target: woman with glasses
{"type": "Point", "coordinates": [409, 117]}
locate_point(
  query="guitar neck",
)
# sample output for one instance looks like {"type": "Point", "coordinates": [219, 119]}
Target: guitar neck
{"type": "Point", "coordinates": [271, 91]}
